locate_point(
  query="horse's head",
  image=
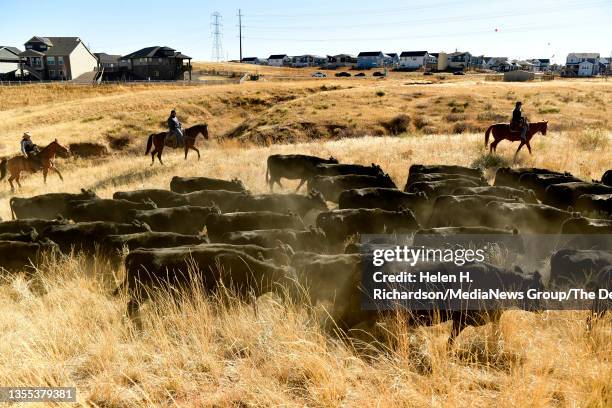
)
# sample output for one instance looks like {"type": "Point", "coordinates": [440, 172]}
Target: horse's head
{"type": "Point", "coordinates": [544, 127]}
{"type": "Point", "coordinates": [59, 150]}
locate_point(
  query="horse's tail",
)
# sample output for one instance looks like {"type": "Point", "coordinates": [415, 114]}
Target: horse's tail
{"type": "Point", "coordinates": [149, 144]}
{"type": "Point", "coordinates": [3, 169]}
{"type": "Point", "coordinates": [487, 133]}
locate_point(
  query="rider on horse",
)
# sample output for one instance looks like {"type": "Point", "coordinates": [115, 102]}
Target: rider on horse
{"type": "Point", "coordinates": [29, 149]}
{"type": "Point", "coordinates": [175, 128]}
{"type": "Point", "coordinates": [519, 122]}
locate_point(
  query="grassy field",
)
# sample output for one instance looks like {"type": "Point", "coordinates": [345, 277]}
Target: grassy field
{"type": "Point", "coordinates": [64, 328]}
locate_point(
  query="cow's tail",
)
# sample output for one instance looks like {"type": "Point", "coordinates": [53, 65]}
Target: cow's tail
{"type": "Point", "coordinates": [3, 169]}
{"type": "Point", "coordinates": [149, 144]}
{"type": "Point", "coordinates": [487, 133]}
{"type": "Point", "coordinates": [11, 204]}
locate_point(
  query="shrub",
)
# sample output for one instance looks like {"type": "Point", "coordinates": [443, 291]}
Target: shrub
{"type": "Point", "coordinates": [454, 117]}
{"type": "Point", "coordinates": [419, 122]}
{"type": "Point", "coordinates": [429, 130]}
{"type": "Point", "coordinates": [490, 161]}
{"type": "Point", "coordinates": [380, 93]}
{"type": "Point", "coordinates": [459, 127]}
{"type": "Point", "coordinates": [548, 109]}
{"type": "Point", "coordinates": [398, 124]}
{"type": "Point", "coordinates": [592, 139]}
{"type": "Point", "coordinates": [492, 116]}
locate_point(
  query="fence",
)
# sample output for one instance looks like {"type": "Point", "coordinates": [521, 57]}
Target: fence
{"type": "Point", "coordinates": [126, 83]}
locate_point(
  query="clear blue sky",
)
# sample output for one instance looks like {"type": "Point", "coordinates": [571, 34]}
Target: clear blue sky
{"type": "Point", "coordinates": [517, 29]}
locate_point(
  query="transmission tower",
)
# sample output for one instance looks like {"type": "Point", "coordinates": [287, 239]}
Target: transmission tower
{"type": "Point", "coordinates": [216, 26]}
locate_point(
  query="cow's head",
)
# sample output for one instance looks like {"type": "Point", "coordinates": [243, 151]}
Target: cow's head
{"type": "Point", "coordinates": [88, 194]}
{"type": "Point", "coordinates": [317, 200]}
{"type": "Point", "coordinates": [239, 183]}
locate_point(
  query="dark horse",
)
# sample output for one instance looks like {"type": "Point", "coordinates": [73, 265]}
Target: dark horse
{"type": "Point", "coordinates": [501, 131]}
{"type": "Point", "coordinates": [43, 161]}
{"type": "Point", "coordinates": [189, 137]}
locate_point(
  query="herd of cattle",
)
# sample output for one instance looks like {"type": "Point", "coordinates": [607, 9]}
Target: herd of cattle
{"type": "Point", "coordinates": [218, 232]}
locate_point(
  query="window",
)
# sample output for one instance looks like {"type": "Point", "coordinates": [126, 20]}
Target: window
{"type": "Point", "coordinates": [155, 73]}
{"type": "Point", "coordinates": [51, 60]}
{"type": "Point", "coordinates": [60, 73]}
{"type": "Point", "coordinates": [60, 60]}
{"type": "Point", "coordinates": [52, 73]}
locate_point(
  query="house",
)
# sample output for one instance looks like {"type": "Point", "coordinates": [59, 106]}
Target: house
{"type": "Point", "coordinates": [459, 60]}
{"type": "Point", "coordinates": [250, 60]}
{"type": "Point", "coordinates": [413, 59]}
{"type": "Point", "coordinates": [307, 61]}
{"type": "Point", "coordinates": [574, 59]}
{"type": "Point", "coordinates": [156, 63]}
{"type": "Point", "coordinates": [108, 62]}
{"type": "Point", "coordinates": [370, 59]}
{"type": "Point", "coordinates": [391, 59]}
{"type": "Point", "coordinates": [9, 60]}
{"type": "Point", "coordinates": [499, 64]}
{"type": "Point", "coordinates": [477, 61]}
{"type": "Point", "coordinates": [340, 60]}
{"type": "Point", "coordinates": [278, 60]}
{"type": "Point", "coordinates": [524, 65]}
{"type": "Point", "coordinates": [54, 58]}
{"type": "Point", "coordinates": [541, 64]}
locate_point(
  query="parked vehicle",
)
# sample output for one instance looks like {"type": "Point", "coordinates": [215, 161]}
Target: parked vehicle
{"type": "Point", "coordinates": [378, 74]}
{"type": "Point", "coordinates": [343, 74]}
{"type": "Point", "coordinates": [427, 73]}
{"type": "Point", "coordinates": [319, 74]}
{"type": "Point", "coordinates": [458, 73]}
{"type": "Point", "coordinates": [361, 74]}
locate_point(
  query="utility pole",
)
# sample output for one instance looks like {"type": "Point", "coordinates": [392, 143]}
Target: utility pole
{"type": "Point", "coordinates": [240, 31]}
{"type": "Point", "coordinates": [216, 26]}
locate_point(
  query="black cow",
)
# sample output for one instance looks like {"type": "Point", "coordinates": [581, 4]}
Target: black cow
{"type": "Point", "coordinates": [565, 195]}
{"type": "Point", "coordinates": [448, 169]}
{"type": "Point", "coordinates": [86, 236]}
{"type": "Point", "coordinates": [470, 236]}
{"type": "Point", "coordinates": [506, 176]}
{"type": "Point", "coordinates": [540, 182]}
{"type": "Point", "coordinates": [463, 210]}
{"type": "Point", "coordinates": [346, 169]}
{"type": "Point", "coordinates": [332, 186]}
{"type": "Point", "coordinates": [597, 203]}
{"type": "Point", "coordinates": [188, 219]}
{"type": "Point", "coordinates": [150, 239]}
{"type": "Point", "coordinates": [293, 167]}
{"type": "Point", "coordinates": [219, 224]}
{"type": "Point", "coordinates": [110, 210]}
{"type": "Point", "coordinates": [607, 178]}
{"type": "Point", "coordinates": [161, 198]}
{"type": "Point", "coordinates": [227, 201]}
{"type": "Point", "coordinates": [338, 225]}
{"type": "Point", "coordinates": [47, 206]}
{"type": "Point", "coordinates": [17, 226]}
{"type": "Point", "coordinates": [191, 184]}
{"type": "Point", "coordinates": [522, 194]}
{"type": "Point", "coordinates": [312, 240]}
{"type": "Point", "coordinates": [577, 266]}
{"type": "Point", "coordinates": [390, 199]}
{"type": "Point", "coordinates": [421, 177]}
{"type": "Point", "coordinates": [24, 236]}
{"type": "Point", "coordinates": [205, 267]}
{"type": "Point", "coordinates": [527, 218]}
{"type": "Point", "coordinates": [434, 189]}
{"type": "Point", "coordinates": [297, 203]}
{"type": "Point", "coordinates": [582, 225]}
{"type": "Point", "coordinates": [24, 256]}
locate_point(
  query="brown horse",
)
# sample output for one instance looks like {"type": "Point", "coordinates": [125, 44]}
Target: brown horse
{"type": "Point", "coordinates": [501, 131]}
{"type": "Point", "coordinates": [44, 162]}
{"type": "Point", "coordinates": [189, 137]}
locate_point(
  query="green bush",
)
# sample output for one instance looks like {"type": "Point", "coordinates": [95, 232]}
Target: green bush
{"type": "Point", "coordinates": [593, 139]}
{"type": "Point", "coordinates": [490, 161]}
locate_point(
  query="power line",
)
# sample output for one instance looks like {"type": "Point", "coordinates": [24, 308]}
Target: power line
{"type": "Point", "coordinates": [216, 26]}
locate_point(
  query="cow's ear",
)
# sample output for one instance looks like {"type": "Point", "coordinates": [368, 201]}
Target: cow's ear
{"type": "Point", "coordinates": [55, 140]}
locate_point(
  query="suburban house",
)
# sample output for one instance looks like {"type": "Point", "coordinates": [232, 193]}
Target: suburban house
{"type": "Point", "coordinates": [279, 60]}
{"type": "Point", "coordinates": [307, 61]}
{"type": "Point", "coordinates": [582, 64]}
{"type": "Point", "coordinates": [340, 60]}
{"type": "Point", "coordinates": [459, 60]}
{"type": "Point", "coordinates": [370, 59]}
{"type": "Point", "coordinates": [9, 61]}
{"type": "Point", "coordinates": [156, 63]}
{"type": "Point", "coordinates": [57, 58]}
{"type": "Point", "coordinates": [541, 64]}
{"type": "Point", "coordinates": [523, 65]}
{"type": "Point", "coordinates": [413, 59]}
{"type": "Point", "coordinates": [391, 59]}
{"type": "Point", "coordinates": [108, 62]}
{"type": "Point", "coordinates": [499, 64]}
{"type": "Point", "coordinates": [477, 61]}
{"type": "Point", "coordinates": [250, 60]}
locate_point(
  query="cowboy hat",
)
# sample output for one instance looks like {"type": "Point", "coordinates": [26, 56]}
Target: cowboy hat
{"type": "Point", "coordinates": [27, 135]}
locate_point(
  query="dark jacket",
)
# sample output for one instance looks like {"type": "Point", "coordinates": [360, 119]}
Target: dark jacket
{"type": "Point", "coordinates": [173, 123]}
{"type": "Point", "coordinates": [517, 116]}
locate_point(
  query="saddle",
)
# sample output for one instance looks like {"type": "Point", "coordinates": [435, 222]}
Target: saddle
{"type": "Point", "coordinates": [515, 127]}
{"type": "Point", "coordinates": [171, 141]}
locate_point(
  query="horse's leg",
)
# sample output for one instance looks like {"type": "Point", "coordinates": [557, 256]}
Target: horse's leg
{"type": "Point", "coordinates": [299, 186]}
{"type": "Point", "coordinates": [17, 179]}
{"type": "Point", "coordinates": [517, 150]}
{"type": "Point", "coordinates": [528, 147]}
{"type": "Point", "coordinates": [58, 172]}
{"type": "Point", "coordinates": [197, 151]}
{"type": "Point", "coordinates": [153, 153]}
{"type": "Point", "coordinates": [159, 157]}
{"type": "Point", "coordinates": [45, 171]}
{"type": "Point", "coordinates": [10, 180]}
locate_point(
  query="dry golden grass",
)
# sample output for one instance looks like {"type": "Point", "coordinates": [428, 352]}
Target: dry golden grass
{"type": "Point", "coordinates": [64, 328]}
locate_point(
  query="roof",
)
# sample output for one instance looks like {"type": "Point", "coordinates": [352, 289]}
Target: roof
{"type": "Point", "coordinates": [544, 60]}
{"type": "Point", "coordinates": [180, 55]}
{"type": "Point", "coordinates": [435, 54]}
{"type": "Point", "coordinates": [31, 53]}
{"type": "Point", "coordinates": [44, 40]}
{"type": "Point", "coordinates": [58, 46]}
{"type": "Point", "coordinates": [13, 50]}
{"type": "Point", "coordinates": [370, 54]}
{"type": "Point", "coordinates": [277, 56]}
{"type": "Point", "coordinates": [150, 52]}
{"type": "Point", "coordinates": [250, 59]}
{"type": "Point", "coordinates": [107, 58]}
{"type": "Point", "coordinates": [413, 53]}
{"type": "Point", "coordinates": [391, 54]}
{"type": "Point", "coordinates": [584, 54]}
